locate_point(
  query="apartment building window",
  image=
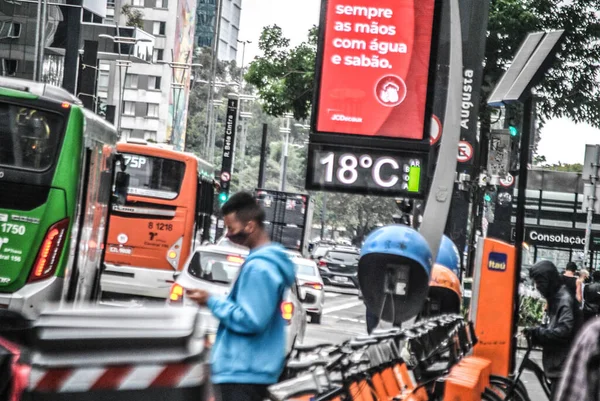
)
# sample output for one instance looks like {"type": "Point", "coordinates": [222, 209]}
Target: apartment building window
{"type": "Point", "coordinates": [152, 110]}
{"type": "Point", "coordinates": [126, 133]}
{"type": "Point", "coordinates": [110, 3]}
{"type": "Point", "coordinates": [159, 28]}
{"type": "Point", "coordinates": [128, 108]}
{"type": "Point", "coordinates": [158, 55]}
{"type": "Point", "coordinates": [162, 3]}
{"type": "Point", "coordinates": [9, 67]}
{"type": "Point", "coordinates": [154, 83]}
{"type": "Point", "coordinates": [138, 3]}
{"type": "Point", "coordinates": [131, 81]}
{"type": "Point", "coordinates": [103, 80]}
{"type": "Point", "coordinates": [150, 136]}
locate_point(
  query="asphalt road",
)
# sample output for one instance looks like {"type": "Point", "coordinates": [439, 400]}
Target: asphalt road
{"type": "Point", "coordinates": [343, 318]}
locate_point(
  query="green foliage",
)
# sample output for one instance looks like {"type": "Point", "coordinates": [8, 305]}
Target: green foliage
{"type": "Point", "coordinates": [569, 89]}
{"type": "Point", "coordinates": [284, 77]}
{"type": "Point", "coordinates": [134, 16]}
{"type": "Point", "coordinates": [531, 311]}
{"type": "Point", "coordinates": [568, 168]}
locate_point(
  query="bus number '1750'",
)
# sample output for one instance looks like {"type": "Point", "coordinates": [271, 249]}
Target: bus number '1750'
{"type": "Point", "coordinates": [15, 229]}
{"type": "Point", "coordinates": [160, 226]}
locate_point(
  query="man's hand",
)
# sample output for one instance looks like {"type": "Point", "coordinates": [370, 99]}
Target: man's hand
{"type": "Point", "coordinates": [199, 296]}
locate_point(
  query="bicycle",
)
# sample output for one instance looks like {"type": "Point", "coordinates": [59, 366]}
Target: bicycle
{"type": "Point", "coordinates": [514, 390]}
{"type": "Point", "coordinates": [370, 368]}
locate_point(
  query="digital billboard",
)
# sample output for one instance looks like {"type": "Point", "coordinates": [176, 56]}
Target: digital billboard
{"type": "Point", "coordinates": [374, 68]}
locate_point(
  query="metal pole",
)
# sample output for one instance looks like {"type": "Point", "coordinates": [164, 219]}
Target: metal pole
{"type": "Point", "coordinates": [528, 132]}
{"type": "Point", "coordinates": [590, 210]}
{"type": "Point", "coordinates": [37, 41]}
{"type": "Point", "coordinates": [440, 194]}
{"type": "Point", "coordinates": [40, 70]}
{"type": "Point", "coordinates": [263, 157]}
{"type": "Point", "coordinates": [323, 212]}
{"type": "Point", "coordinates": [285, 161]}
{"type": "Point", "coordinates": [211, 82]}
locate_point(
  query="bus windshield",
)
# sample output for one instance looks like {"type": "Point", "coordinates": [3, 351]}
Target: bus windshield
{"type": "Point", "coordinates": [29, 138]}
{"type": "Point", "coordinates": [154, 177]}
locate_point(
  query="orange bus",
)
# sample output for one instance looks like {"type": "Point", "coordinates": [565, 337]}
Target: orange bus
{"type": "Point", "coordinates": [168, 210]}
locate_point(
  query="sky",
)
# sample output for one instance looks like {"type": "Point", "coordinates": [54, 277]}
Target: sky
{"type": "Point", "coordinates": [562, 140]}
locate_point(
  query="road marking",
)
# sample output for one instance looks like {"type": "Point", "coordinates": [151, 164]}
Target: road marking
{"type": "Point", "coordinates": [341, 307]}
{"type": "Point", "coordinates": [348, 319]}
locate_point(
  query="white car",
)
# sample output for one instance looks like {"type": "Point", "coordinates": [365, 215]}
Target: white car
{"type": "Point", "coordinates": [310, 282]}
{"type": "Point", "coordinates": [214, 268]}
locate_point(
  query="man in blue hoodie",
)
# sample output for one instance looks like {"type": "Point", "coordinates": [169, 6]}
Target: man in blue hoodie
{"type": "Point", "coordinates": [249, 350]}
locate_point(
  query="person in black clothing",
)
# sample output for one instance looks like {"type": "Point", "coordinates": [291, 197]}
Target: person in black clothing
{"type": "Point", "coordinates": [564, 316]}
{"type": "Point", "coordinates": [570, 279]}
{"type": "Point", "coordinates": [591, 297]}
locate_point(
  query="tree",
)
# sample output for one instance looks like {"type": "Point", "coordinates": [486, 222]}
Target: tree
{"type": "Point", "coordinates": [134, 16]}
{"type": "Point", "coordinates": [284, 77]}
{"type": "Point", "coordinates": [569, 89]}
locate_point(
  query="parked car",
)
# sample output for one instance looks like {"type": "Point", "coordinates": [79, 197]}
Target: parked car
{"type": "Point", "coordinates": [310, 282]}
{"type": "Point", "coordinates": [339, 266]}
{"type": "Point", "coordinates": [214, 268]}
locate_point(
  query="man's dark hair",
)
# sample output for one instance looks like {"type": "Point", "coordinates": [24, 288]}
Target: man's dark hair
{"type": "Point", "coordinates": [245, 208]}
{"type": "Point", "coordinates": [596, 276]}
{"type": "Point", "coordinates": [572, 267]}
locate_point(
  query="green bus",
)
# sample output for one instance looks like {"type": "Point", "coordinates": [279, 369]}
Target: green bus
{"type": "Point", "coordinates": [56, 172]}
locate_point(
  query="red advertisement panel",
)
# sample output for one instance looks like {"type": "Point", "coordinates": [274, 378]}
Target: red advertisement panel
{"type": "Point", "coordinates": [375, 67]}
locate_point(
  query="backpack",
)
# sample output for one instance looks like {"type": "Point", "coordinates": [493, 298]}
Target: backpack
{"type": "Point", "coordinates": [591, 297]}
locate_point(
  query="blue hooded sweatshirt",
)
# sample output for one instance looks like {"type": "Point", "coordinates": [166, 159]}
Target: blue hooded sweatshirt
{"type": "Point", "coordinates": [250, 343]}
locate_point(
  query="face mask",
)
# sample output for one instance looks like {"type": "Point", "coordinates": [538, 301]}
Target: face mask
{"type": "Point", "coordinates": [238, 238]}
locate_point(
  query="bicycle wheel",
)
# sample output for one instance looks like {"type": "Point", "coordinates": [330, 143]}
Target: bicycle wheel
{"type": "Point", "coordinates": [503, 384]}
{"type": "Point", "coordinates": [489, 395]}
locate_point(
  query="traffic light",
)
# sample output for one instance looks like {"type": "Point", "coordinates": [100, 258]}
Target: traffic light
{"type": "Point", "coordinates": [514, 131]}
{"type": "Point", "coordinates": [223, 197]}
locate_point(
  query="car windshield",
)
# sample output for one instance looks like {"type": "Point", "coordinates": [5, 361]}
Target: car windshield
{"type": "Point", "coordinates": [306, 270]}
{"type": "Point", "coordinates": [29, 138]}
{"type": "Point", "coordinates": [215, 267]}
{"type": "Point", "coordinates": [154, 177]}
{"type": "Point", "coordinates": [343, 257]}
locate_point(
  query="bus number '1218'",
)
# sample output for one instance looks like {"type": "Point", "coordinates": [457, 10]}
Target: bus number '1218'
{"type": "Point", "coordinates": [160, 226]}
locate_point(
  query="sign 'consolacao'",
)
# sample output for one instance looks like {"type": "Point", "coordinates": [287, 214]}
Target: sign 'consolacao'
{"type": "Point", "coordinates": [375, 68]}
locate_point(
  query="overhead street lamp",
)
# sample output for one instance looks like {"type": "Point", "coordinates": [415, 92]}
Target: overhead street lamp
{"type": "Point", "coordinates": [244, 43]}
{"type": "Point", "coordinates": [125, 40]}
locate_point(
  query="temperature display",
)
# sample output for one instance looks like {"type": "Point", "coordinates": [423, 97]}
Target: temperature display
{"type": "Point", "coordinates": [364, 171]}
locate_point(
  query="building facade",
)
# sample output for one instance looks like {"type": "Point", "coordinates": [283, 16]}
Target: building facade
{"type": "Point", "coordinates": [154, 94]}
{"type": "Point", "coordinates": [206, 12]}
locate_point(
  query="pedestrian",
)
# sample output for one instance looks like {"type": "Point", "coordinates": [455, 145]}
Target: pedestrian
{"type": "Point", "coordinates": [563, 316]}
{"type": "Point", "coordinates": [570, 278]}
{"type": "Point", "coordinates": [581, 378]}
{"type": "Point", "coordinates": [584, 275]}
{"type": "Point", "coordinates": [591, 297]}
{"type": "Point", "coordinates": [249, 350]}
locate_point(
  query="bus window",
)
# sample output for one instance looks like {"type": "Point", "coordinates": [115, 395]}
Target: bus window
{"type": "Point", "coordinates": [29, 138]}
{"type": "Point", "coordinates": [154, 177]}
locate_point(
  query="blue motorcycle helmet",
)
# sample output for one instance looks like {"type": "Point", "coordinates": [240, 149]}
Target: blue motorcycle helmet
{"type": "Point", "coordinates": [394, 271]}
{"type": "Point", "coordinates": [448, 256]}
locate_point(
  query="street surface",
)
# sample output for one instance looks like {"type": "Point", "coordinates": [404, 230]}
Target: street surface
{"type": "Point", "coordinates": [343, 318]}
